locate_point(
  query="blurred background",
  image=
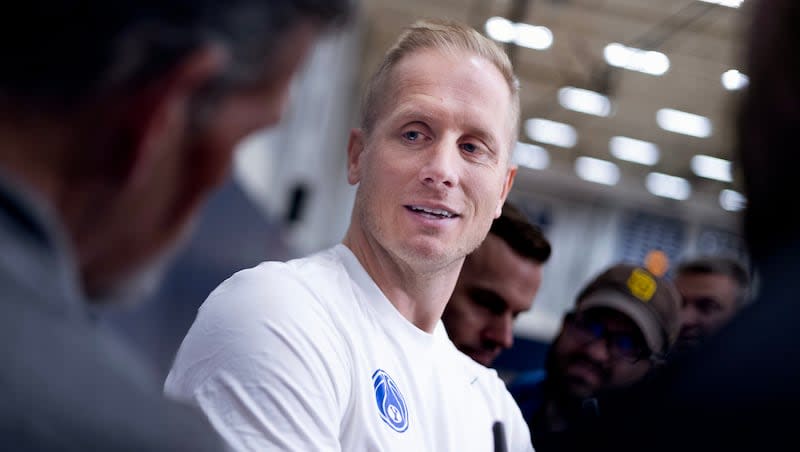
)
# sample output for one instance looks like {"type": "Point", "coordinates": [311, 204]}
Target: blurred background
{"type": "Point", "coordinates": [628, 111]}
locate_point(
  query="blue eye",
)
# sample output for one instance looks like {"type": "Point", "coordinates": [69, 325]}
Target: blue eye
{"type": "Point", "coordinates": [411, 135]}
{"type": "Point", "coordinates": [469, 147]}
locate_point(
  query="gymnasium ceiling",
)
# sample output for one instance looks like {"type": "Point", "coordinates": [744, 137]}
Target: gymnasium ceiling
{"type": "Point", "coordinates": [701, 41]}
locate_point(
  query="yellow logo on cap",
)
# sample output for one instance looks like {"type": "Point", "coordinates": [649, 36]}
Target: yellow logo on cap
{"type": "Point", "coordinates": [641, 285]}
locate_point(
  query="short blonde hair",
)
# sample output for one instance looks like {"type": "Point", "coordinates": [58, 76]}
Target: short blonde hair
{"type": "Point", "coordinates": [444, 35]}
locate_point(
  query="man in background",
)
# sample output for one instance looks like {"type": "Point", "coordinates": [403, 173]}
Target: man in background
{"type": "Point", "coordinates": [116, 120]}
{"type": "Point", "coordinates": [712, 288]}
{"type": "Point", "coordinates": [498, 281]}
{"type": "Point", "coordinates": [623, 324]}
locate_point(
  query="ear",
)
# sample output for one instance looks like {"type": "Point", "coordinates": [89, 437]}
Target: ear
{"type": "Point", "coordinates": [511, 173]}
{"type": "Point", "coordinates": [160, 112]}
{"type": "Point", "coordinates": [355, 149]}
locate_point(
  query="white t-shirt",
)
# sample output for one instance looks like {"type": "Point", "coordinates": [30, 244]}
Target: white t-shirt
{"type": "Point", "coordinates": [309, 355]}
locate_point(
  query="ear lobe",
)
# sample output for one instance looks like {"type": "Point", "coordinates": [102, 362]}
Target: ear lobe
{"type": "Point", "coordinates": [355, 148]}
{"type": "Point", "coordinates": [507, 184]}
{"type": "Point", "coordinates": [161, 111]}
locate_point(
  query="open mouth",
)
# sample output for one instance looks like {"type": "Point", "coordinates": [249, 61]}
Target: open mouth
{"type": "Point", "coordinates": [439, 214]}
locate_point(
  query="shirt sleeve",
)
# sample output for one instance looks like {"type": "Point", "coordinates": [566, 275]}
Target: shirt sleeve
{"type": "Point", "coordinates": [265, 363]}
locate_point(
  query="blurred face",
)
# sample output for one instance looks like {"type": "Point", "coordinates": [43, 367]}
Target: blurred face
{"type": "Point", "coordinates": [433, 173]}
{"type": "Point", "coordinates": [178, 165]}
{"type": "Point", "coordinates": [598, 349]}
{"type": "Point", "coordinates": [709, 301]}
{"type": "Point", "coordinates": [495, 285]}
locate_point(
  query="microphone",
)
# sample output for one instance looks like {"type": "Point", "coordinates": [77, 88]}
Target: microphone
{"type": "Point", "coordinates": [499, 437]}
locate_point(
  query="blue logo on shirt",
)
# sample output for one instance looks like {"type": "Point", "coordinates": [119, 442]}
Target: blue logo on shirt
{"type": "Point", "coordinates": [391, 404]}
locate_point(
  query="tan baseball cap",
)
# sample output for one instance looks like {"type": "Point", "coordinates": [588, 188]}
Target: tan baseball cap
{"type": "Point", "coordinates": [652, 303]}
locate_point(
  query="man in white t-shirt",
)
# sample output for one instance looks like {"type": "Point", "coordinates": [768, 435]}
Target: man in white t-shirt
{"type": "Point", "coordinates": [345, 350]}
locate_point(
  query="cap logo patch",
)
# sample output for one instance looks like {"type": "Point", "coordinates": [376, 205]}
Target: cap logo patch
{"type": "Point", "coordinates": [641, 285]}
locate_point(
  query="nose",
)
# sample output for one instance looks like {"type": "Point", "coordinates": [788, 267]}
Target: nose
{"type": "Point", "coordinates": [501, 332]}
{"type": "Point", "coordinates": [441, 165]}
{"type": "Point", "coordinates": [598, 350]}
{"type": "Point", "coordinates": [689, 316]}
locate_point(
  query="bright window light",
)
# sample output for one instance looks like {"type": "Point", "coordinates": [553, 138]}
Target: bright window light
{"type": "Point", "coordinates": [530, 156]}
{"type": "Point", "coordinates": [500, 29]}
{"type": "Point", "coordinates": [525, 35]}
{"type": "Point", "coordinates": [551, 132]}
{"type": "Point", "coordinates": [732, 200]}
{"type": "Point", "coordinates": [584, 101]}
{"type": "Point", "coordinates": [734, 80]}
{"type": "Point", "coordinates": [596, 170]}
{"type": "Point", "coordinates": [728, 3]}
{"type": "Point", "coordinates": [667, 186]}
{"type": "Point", "coordinates": [633, 150]}
{"type": "Point", "coordinates": [685, 123]}
{"type": "Point", "coordinates": [646, 61]}
{"type": "Point", "coordinates": [712, 168]}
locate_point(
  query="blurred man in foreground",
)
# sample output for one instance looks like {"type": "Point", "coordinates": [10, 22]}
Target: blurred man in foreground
{"type": "Point", "coordinates": [349, 341]}
{"type": "Point", "coordinates": [713, 289]}
{"type": "Point", "coordinates": [624, 322]}
{"type": "Point", "coordinates": [116, 120]}
{"type": "Point", "coordinates": [498, 281]}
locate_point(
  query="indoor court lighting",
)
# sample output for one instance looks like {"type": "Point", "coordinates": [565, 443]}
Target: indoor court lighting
{"type": "Point", "coordinates": [551, 132]}
{"type": "Point", "coordinates": [526, 35]}
{"type": "Point", "coordinates": [633, 150]}
{"type": "Point", "coordinates": [530, 156]}
{"type": "Point", "coordinates": [596, 170]}
{"type": "Point", "coordinates": [684, 123]}
{"type": "Point", "coordinates": [646, 61]}
{"type": "Point", "coordinates": [734, 80]}
{"type": "Point", "coordinates": [667, 186]}
{"type": "Point", "coordinates": [584, 101]}
{"type": "Point", "coordinates": [732, 200]}
{"type": "Point", "coordinates": [728, 3]}
{"type": "Point", "coordinates": [712, 168]}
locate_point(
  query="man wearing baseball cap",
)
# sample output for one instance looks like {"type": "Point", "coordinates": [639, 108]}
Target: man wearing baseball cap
{"type": "Point", "coordinates": [624, 322]}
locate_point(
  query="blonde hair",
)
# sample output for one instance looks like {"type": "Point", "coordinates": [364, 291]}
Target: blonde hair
{"type": "Point", "coordinates": [443, 35]}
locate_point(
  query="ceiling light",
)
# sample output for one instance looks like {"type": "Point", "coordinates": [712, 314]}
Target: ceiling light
{"type": "Point", "coordinates": [646, 61]}
{"type": "Point", "coordinates": [596, 170]}
{"type": "Point", "coordinates": [530, 156]}
{"type": "Point", "coordinates": [667, 186]}
{"type": "Point", "coordinates": [633, 150]}
{"type": "Point", "coordinates": [685, 123]}
{"type": "Point", "coordinates": [728, 3]}
{"type": "Point", "coordinates": [712, 168]}
{"type": "Point", "coordinates": [533, 37]}
{"type": "Point", "coordinates": [584, 101]}
{"type": "Point", "coordinates": [526, 35]}
{"type": "Point", "coordinates": [731, 200]}
{"type": "Point", "coordinates": [500, 29]}
{"type": "Point", "coordinates": [734, 80]}
{"type": "Point", "coordinates": [551, 132]}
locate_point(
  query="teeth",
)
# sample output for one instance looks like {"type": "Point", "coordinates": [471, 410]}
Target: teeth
{"type": "Point", "coordinates": [437, 212]}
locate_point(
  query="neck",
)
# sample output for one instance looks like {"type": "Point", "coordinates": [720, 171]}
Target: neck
{"type": "Point", "coordinates": [419, 294]}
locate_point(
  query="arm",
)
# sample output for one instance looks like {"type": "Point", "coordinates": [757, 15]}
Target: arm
{"type": "Point", "coordinates": [265, 363]}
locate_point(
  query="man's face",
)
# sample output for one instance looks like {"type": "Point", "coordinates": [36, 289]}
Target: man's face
{"type": "Point", "coordinates": [433, 173]}
{"type": "Point", "coordinates": [495, 285]}
{"type": "Point", "coordinates": [598, 349]}
{"type": "Point", "coordinates": [709, 301]}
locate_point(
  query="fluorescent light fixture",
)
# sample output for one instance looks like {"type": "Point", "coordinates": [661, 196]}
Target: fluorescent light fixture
{"type": "Point", "coordinates": [551, 132]}
{"type": "Point", "coordinates": [633, 150]}
{"type": "Point", "coordinates": [533, 36]}
{"type": "Point", "coordinates": [526, 35]}
{"type": "Point", "coordinates": [667, 186]}
{"type": "Point", "coordinates": [712, 168]}
{"type": "Point", "coordinates": [728, 3]}
{"type": "Point", "coordinates": [500, 29]}
{"type": "Point", "coordinates": [683, 122]}
{"type": "Point", "coordinates": [530, 156]}
{"type": "Point", "coordinates": [734, 80]}
{"type": "Point", "coordinates": [596, 170]}
{"type": "Point", "coordinates": [732, 200]}
{"type": "Point", "coordinates": [584, 101]}
{"type": "Point", "coordinates": [646, 61]}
